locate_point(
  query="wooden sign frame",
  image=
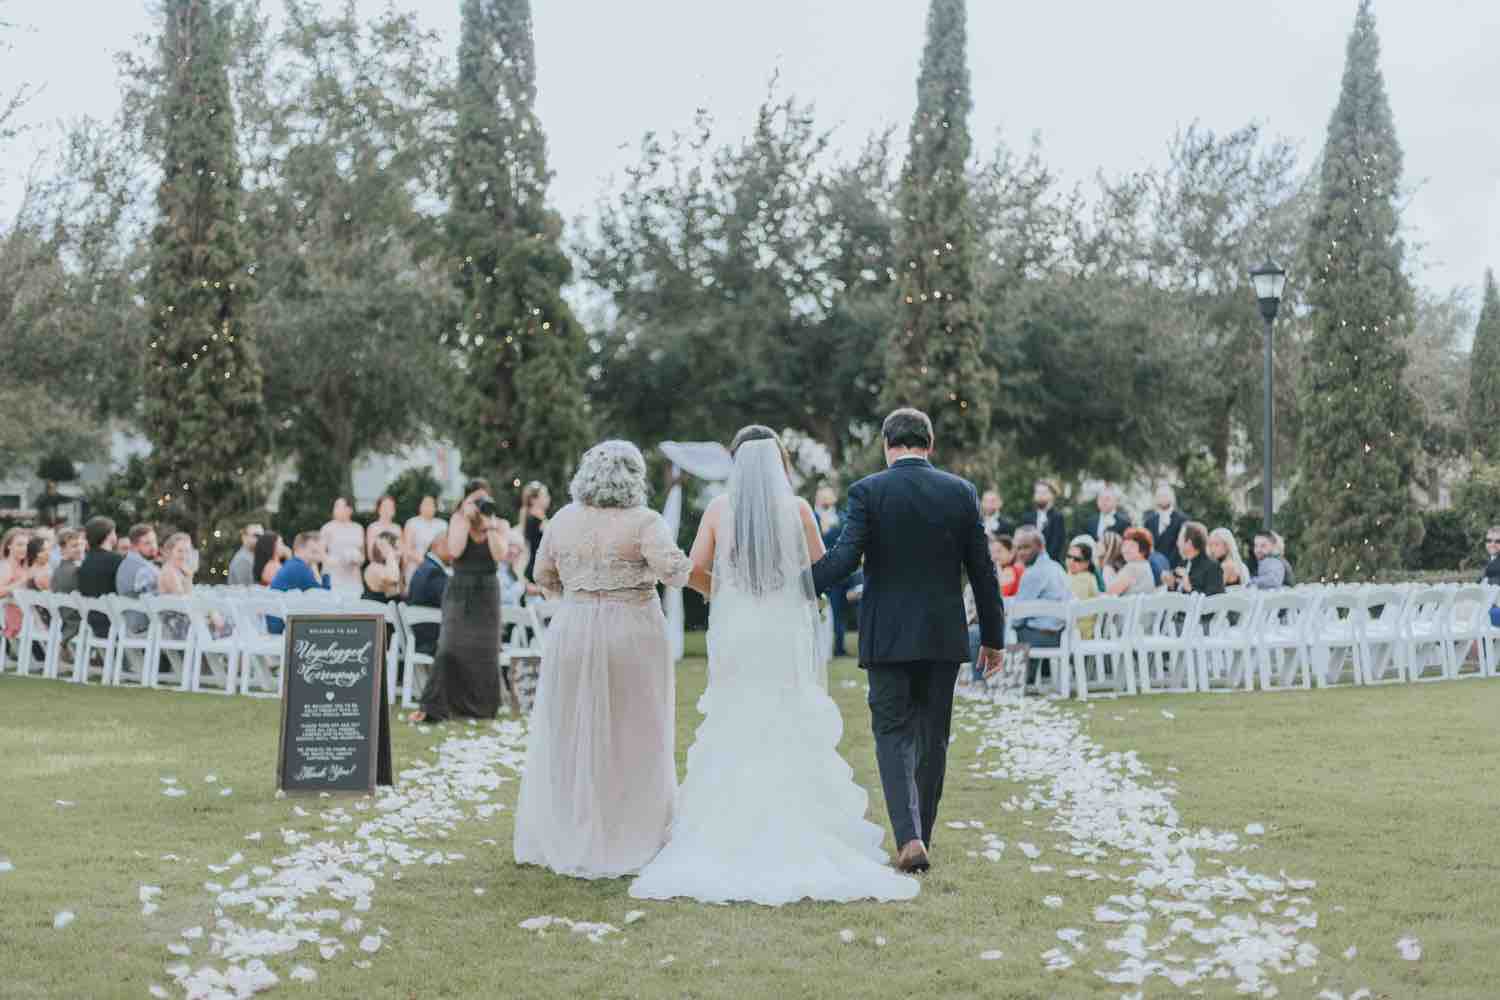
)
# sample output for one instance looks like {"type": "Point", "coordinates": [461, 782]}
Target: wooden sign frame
{"type": "Point", "coordinates": [379, 736]}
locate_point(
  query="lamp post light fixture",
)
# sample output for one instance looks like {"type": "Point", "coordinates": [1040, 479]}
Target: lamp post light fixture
{"type": "Point", "coordinates": [1269, 281]}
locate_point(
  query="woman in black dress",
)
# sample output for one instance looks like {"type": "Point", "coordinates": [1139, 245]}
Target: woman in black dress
{"type": "Point", "coordinates": [535, 502]}
{"type": "Point", "coordinates": [465, 677]}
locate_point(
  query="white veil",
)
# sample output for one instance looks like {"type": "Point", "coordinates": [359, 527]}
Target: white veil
{"type": "Point", "coordinates": [763, 550]}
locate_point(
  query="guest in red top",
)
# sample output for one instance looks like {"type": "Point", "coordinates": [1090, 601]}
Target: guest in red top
{"type": "Point", "coordinates": [1003, 551]}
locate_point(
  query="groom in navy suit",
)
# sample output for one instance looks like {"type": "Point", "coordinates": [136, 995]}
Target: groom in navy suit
{"type": "Point", "coordinates": [918, 530]}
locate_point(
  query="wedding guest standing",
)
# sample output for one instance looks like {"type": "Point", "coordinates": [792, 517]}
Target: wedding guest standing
{"type": "Point", "coordinates": [830, 526]}
{"type": "Point", "coordinates": [1047, 520]}
{"type": "Point", "coordinates": [418, 533]}
{"type": "Point", "coordinates": [242, 566]}
{"type": "Point", "coordinates": [384, 524]}
{"type": "Point", "coordinates": [990, 506]}
{"type": "Point", "coordinates": [344, 546]}
{"type": "Point", "coordinates": [597, 793]}
{"type": "Point", "coordinates": [1110, 517]}
{"type": "Point", "coordinates": [535, 502]}
{"type": "Point", "coordinates": [465, 676]}
{"type": "Point", "coordinates": [1165, 524]}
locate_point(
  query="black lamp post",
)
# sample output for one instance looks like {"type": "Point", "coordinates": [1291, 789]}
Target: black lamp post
{"type": "Point", "coordinates": [1269, 281]}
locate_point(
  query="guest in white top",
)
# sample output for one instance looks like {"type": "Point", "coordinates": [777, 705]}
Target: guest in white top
{"type": "Point", "coordinates": [418, 533]}
{"type": "Point", "coordinates": [384, 524]}
{"type": "Point", "coordinates": [344, 543]}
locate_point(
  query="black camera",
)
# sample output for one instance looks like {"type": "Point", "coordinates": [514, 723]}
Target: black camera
{"type": "Point", "coordinates": [486, 507]}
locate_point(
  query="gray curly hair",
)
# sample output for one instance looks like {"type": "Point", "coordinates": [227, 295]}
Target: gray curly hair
{"type": "Point", "coordinates": [611, 474]}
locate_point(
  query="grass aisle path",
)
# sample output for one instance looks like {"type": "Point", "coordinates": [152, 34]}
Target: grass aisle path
{"type": "Point", "coordinates": [1386, 797]}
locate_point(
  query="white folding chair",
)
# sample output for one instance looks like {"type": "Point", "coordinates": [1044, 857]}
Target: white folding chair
{"type": "Point", "coordinates": [1426, 643]}
{"type": "Point", "coordinates": [1226, 651]}
{"type": "Point", "coordinates": [1469, 622]}
{"type": "Point", "coordinates": [216, 654]}
{"type": "Point", "coordinates": [1060, 656]}
{"type": "Point", "coordinates": [130, 644]}
{"type": "Point", "coordinates": [1108, 648]}
{"type": "Point", "coordinates": [1333, 638]}
{"type": "Point", "coordinates": [261, 650]}
{"type": "Point", "coordinates": [1280, 630]}
{"type": "Point", "coordinates": [31, 641]}
{"type": "Point", "coordinates": [9, 651]}
{"type": "Point", "coordinates": [541, 612]}
{"type": "Point", "coordinates": [1379, 627]}
{"type": "Point", "coordinates": [1163, 645]}
{"type": "Point", "coordinates": [411, 616]}
{"type": "Point", "coordinates": [172, 621]}
{"type": "Point", "coordinates": [101, 609]}
{"type": "Point", "coordinates": [68, 650]}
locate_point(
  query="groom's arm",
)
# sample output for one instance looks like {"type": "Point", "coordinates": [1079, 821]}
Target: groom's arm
{"type": "Point", "coordinates": [844, 558]}
{"type": "Point", "coordinates": [984, 579]}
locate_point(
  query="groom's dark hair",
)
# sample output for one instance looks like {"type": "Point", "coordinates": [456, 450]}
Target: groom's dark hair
{"type": "Point", "coordinates": [907, 428]}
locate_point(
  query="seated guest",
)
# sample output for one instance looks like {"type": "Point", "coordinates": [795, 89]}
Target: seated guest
{"type": "Point", "coordinates": [14, 575]}
{"type": "Point", "coordinates": [1134, 575]}
{"type": "Point", "coordinates": [513, 585]}
{"type": "Point", "coordinates": [176, 580]}
{"type": "Point", "coordinates": [1042, 580]}
{"type": "Point", "coordinates": [65, 579]}
{"type": "Point", "coordinates": [428, 585]}
{"type": "Point", "coordinates": [304, 571]}
{"type": "Point", "coordinates": [995, 522]}
{"type": "Point", "coordinates": [1279, 551]}
{"type": "Point", "coordinates": [138, 575]}
{"type": "Point", "coordinates": [38, 562]}
{"type": "Point", "coordinates": [1108, 558]}
{"type": "Point", "coordinates": [1270, 569]}
{"type": "Point", "coordinates": [1082, 582]}
{"type": "Point", "coordinates": [1198, 574]}
{"type": "Point", "coordinates": [100, 568]}
{"type": "Point", "coordinates": [1491, 575]}
{"type": "Point", "coordinates": [1046, 520]}
{"type": "Point", "coordinates": [1089, 543]}
{"type": "Point", "coordinates": [242, 566]}
{"type": "Point", "coordinates": [1110, 518]}
{"type": "Point", "coordinates": [383, 573]}
{"type": "Point", "coordinates": [270, 554]}
{"type": "Point", "coordinates": [1003, 553]}
{"type": "Point", "coordinates": [1223, 549]}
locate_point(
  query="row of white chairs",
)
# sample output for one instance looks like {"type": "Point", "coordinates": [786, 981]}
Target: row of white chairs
{"type": "Point", "coordinates": [218, 639]}
{"type": "Point", "coordinates": [1302, 637]}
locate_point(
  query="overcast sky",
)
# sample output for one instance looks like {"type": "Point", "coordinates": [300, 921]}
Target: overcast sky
{"type": "Point", "coordinates": [1104, 83]}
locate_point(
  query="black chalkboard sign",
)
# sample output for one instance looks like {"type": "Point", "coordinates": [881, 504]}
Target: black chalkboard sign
{"type": "Point", "coordinates": [335, 723]}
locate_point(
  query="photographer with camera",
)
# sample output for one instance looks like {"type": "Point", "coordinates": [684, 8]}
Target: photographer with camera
{"type": "Point", "coordinates": [465, 678]}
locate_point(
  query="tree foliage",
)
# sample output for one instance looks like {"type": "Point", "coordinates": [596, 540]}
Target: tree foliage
{"type": "Point", "coordinates": [203, 384]}
{"type": "Point", "coordinates": [935, 354]}
{"type": "Point", "coordinates": [1484, 374]}
{"type": "Point", "coordinates": [1360, 424]}
{"type": "Point", "coordinates": [521, 411]}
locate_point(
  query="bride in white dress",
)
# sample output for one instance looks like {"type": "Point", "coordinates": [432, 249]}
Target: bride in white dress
{"type": "Point", "coordinates": [769, 812]}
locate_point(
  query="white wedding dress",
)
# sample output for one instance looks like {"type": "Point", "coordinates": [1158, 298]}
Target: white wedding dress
{"type": "Point", "coordinates": [769, 812]}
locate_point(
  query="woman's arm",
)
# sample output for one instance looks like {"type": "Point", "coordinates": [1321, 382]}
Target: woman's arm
{"type": "Point", "coordinates": [701, 578]}
{"type": "Point", "coordinates": [497, 536]}
{"type": "Point", "coordinates": [815, 547]}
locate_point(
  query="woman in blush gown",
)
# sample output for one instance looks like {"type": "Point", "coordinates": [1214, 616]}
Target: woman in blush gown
{"type": "Point", "coordinates": [597, 794]}
{"type": "Point", "coordinates": [344, 544]}
{"type": "Point", "coordinates": [769, 812]}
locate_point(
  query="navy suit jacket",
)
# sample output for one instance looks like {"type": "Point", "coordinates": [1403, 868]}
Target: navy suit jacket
{"type": "Point", "coordinates": [1164, 536]}
{"type": "Point", "coordinates": [918, 531]}
{"type": "Point", "coordinates": [1118, 522]}
{"type": "Point", "coordinates": [1054, 535]}
{"type": "Point", "coordinates": [428, 585]}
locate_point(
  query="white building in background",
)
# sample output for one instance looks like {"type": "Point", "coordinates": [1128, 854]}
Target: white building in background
{"type": "Point", "coordinates": [20, 488]}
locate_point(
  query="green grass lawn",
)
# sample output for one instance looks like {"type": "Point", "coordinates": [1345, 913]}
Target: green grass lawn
{"type": "Point", "coordinates": [1387, 797]}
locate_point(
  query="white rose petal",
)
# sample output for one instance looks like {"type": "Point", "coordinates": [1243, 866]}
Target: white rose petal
{"type": "Point", "coordinates": [1052, 902]}
{"type": "Point", "coordinates": [63, 919]}
{"type": "Point", "coordinates": [992, 955]}
{"type": "Point", "coordinates": [846, 936]}
{"type": "Point", "coordinates": [1167, 715]}
{"type": "Point", "coordinates": [1255, 829]}
{"type": "Point", "coordinates": [173, 792]}
{"type": "Point", "coordinates": [370, 943]}
{"type": "Point", "coordinates": [1410, 948]}
{"type": "Point", "coordinates": [1350, 952]}
{"type": "Point", "coordinates": [633, 916]}
{"type": "Point", "coordinates": [302, 974]}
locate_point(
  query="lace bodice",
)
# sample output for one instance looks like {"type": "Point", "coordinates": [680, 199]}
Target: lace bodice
{"type": "Point", "coordinates": [608, 548]}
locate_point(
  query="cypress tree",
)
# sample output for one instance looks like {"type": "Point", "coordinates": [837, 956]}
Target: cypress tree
{"type": "Point", "coordinates": [935, 356]}
{"type": "Point", "coordinates": [202, 393]}
{"type": "Point", "coordinates": [1359, 435]}
{"type": "Point", "coordinates": [522, 351]}
{"type": "Point", "coordinates": [1484, 374]}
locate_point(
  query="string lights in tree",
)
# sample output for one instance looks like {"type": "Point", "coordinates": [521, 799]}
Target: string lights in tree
{"type": "Point", "coordinates": [935, 359]}
{"type": "Point", "coordinates": [1358, 442]}
{"type": "Point", "coordinates": [202, 409]}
